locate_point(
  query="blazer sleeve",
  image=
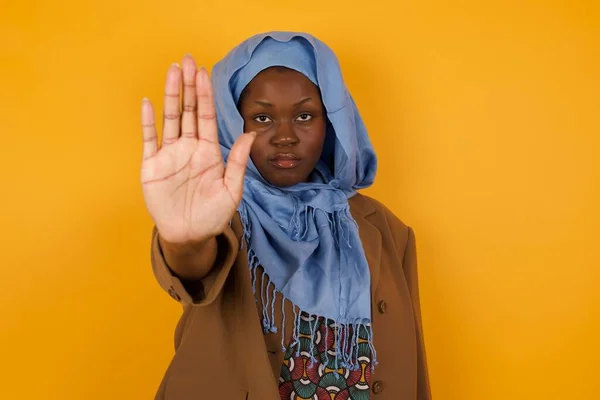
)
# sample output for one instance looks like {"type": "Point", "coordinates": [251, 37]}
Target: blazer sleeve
{"type": "Point", "coordinates": [410, 272]}
{"type": "Point", "coordinates": [205, 290]}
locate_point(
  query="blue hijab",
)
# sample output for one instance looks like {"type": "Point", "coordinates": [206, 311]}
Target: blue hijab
{"type": "Point", "coordinates": [304, 236]}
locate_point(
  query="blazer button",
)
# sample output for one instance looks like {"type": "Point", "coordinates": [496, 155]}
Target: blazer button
{"type": "Point", "coordinates": [382, 307]}
{"type": "Point", "coordinates": [377, 387]}
{"type": "Point", "coordinates": [173, 294]}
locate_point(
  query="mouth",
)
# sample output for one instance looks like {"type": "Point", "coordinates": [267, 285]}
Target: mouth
{"type": "Point", "coordinates": [285, 160]}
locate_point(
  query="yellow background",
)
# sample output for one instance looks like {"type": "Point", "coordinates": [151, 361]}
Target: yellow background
{"type": "Point", "coordinates": [485, 118]}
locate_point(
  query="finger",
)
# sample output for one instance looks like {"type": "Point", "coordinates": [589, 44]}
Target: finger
{"type": "Point", "coordinates": [236, 165]}
{"type": "Point", "coordinates": [172, 113]}
{"type": "Point", "coordinates": [207, 116]}
{"type": "Point", "coordinates": [148, 130]}
{"type": "Point", "coordinates": [189, 104]}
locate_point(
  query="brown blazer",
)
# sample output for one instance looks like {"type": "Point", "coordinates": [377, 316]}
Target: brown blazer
{"type": "Point", "coordinates": [222, 353]}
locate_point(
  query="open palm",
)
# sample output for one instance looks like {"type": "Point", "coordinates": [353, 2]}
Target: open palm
{"type": "Point", "coordinates": [190, 194]}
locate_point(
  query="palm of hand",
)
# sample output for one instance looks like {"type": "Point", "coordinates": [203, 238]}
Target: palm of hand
{"type": "Point", "coordinates": [189, 193]}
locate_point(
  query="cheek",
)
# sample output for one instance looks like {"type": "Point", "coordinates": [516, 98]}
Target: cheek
{"type": "Point", "coordinates": [258, 147]}
{"type": "Point", "coordinates": [315, 141]}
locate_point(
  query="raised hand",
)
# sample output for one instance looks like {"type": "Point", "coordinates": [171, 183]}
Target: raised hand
{"type": "Point", "coordinates": [189, 193]}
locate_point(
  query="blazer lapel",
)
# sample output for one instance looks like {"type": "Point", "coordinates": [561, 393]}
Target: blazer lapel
{"type": "Point", "coordinates": [362, 210]}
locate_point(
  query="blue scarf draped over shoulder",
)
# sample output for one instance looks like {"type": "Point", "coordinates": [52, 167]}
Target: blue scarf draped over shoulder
{"type": "Point", "coordinates": [304, 236]}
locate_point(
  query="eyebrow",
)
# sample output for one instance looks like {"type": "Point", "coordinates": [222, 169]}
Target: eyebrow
{"type": "Point", "coordinates": [298, 104]}
{"type": "Point", "coordinates": [306, 99]}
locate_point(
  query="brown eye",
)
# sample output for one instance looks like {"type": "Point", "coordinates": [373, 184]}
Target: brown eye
{"type": "Point", "coordinates": [304, 117]}
{"type": "Point", "coordinates": [262, 119]}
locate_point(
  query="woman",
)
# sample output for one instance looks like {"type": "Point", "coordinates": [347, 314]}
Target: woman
{"type": "Point", "coordinates": [293, 284]}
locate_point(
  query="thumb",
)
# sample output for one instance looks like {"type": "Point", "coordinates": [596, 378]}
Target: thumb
{"type": "Point", "coordinates": [236, 165]}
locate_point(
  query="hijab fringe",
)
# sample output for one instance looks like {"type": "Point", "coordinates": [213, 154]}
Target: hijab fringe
{"type": "Point", "coordinates": [347, 344]}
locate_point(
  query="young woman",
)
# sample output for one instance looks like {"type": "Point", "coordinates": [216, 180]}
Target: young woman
{"type": "Point", "coordinates": [294, 285]}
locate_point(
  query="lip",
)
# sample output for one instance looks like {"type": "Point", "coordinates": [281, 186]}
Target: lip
{"type": "Point", "coordinates": [285, 160]}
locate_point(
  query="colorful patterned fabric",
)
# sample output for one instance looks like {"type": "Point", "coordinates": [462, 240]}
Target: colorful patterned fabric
{"type": "Point", "coordinates": [311, 371]}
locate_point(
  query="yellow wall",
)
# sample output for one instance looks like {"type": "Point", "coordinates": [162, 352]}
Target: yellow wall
{"type": "Point", "coordinates": [485, 117]}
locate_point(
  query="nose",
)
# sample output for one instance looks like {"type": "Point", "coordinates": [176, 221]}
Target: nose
{"type": "Point", "coordinates": [284, 135]}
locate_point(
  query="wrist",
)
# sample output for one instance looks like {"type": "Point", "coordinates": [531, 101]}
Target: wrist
{"type": "Point", "coordinates": [182, 247]}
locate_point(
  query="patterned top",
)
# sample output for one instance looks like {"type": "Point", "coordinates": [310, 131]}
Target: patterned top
{"type": "Point", "coordinates": [311, 371]}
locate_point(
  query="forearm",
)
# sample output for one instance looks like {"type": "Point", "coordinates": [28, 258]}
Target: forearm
{"type": "Point", "coordinates": [190, 261]}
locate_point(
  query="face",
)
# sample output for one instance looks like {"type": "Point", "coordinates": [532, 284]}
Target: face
{"type": "Point", "coordinates": [285, 110]}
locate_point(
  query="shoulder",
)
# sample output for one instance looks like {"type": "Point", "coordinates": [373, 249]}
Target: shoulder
{"type": "Point", "coordinates": [367, 206]}
{"type": "Point", "coordinates": [397, 238]}
{"type": "Point", "coordinates": [387, 222]}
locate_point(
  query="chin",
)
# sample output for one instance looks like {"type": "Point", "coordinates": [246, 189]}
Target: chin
{"type": "Point", "coordinates": [284, 178]}
{"type": "Point", "coordinates": [285, 181]}
{"type": "Point", "coordinates": [282, 183]}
